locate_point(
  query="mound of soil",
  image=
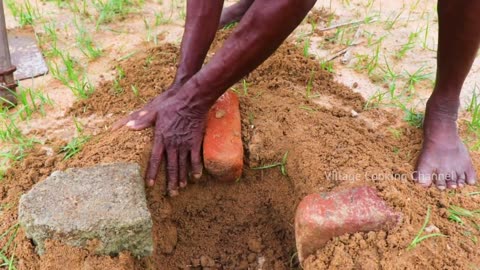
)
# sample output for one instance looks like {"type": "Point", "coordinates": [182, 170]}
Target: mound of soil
{"type": "Point", "coordinates": [249, 224]}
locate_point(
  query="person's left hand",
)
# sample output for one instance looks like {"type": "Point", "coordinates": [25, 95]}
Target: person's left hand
{"type": "Point", "coordinates": [178, 134]}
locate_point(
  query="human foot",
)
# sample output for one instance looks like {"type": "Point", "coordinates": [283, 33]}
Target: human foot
{"type": "Point", "coordinates": [444, 159]}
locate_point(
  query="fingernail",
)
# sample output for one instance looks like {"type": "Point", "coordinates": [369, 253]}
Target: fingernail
{"type": "Point", "coordinates": [197, 175]}
{"type": "Point", "coordinates": [130, 123]}
{"type": "Point", "coordinates": [460, 185]}
{"type": "Point", "coordinates": [173, 193]}
{"type": "Point", "coordinates": [142, 113]}
{"type": "Point", "coordinates": [441, 187]}
{"type": "Point", "coordinates": [183, 184]}
{"type": "Point", "coordinates": [150, 182]}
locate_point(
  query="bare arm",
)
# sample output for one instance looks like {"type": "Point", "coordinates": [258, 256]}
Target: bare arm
{"type": "Point", "coordinates": [180, 117]}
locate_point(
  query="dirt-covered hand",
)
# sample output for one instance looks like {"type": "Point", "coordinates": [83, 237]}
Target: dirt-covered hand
{"type": "Point", "coordinates": [178, 135]}
{"type": "Point", "coordinates": [145, 116]}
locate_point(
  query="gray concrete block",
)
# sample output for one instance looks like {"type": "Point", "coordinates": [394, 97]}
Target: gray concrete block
{"type": "Point", "coordinates": [104, 202]}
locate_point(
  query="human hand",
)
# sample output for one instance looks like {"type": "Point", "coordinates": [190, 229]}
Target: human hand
{"type": "Point", "coordinates": [178, 135]}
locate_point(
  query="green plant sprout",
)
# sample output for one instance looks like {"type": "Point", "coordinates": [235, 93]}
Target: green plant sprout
{"type": "Point", "coordinates": [111, 9]}
{"type": "Point", "coordinates": [308, 90]}
{"type": "Point", "coordinates": [24, 12]}
{"type": "Point", "coordinates": [412, 117]}
{"type": "Point", "coordinates": [412, 38]}
{"type": "Point", "coordinates": [76, 144]}
{"type": "Point", "coordinates": [419, 238]}
{"type": "Point", "coordinates": [458, 214]}
{"type": "Point", "coordinates": [281, 164]}
{"type": "Point", "coordinates": [5, 261]}
{"type": "Point", "coordinates": [85, 42]}
{"type": "Point", "coordinates": [416, 77]}
{"type": "Point", "coordinates": [474, 193]}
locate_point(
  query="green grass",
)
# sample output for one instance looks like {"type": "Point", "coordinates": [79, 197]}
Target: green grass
{"type": "Point", "coordinates": [8, 262]}
{"type": "Point", "coordinates": [390, 77]}
{"type": "Point", "coordinates": [412, 117]}
{"type": "Point", "coordinates": [416, 77]}
{"type": "Point", "coordinates": [161, 19]}
{"type": "Point", "coordinates": [109, 10]}
{"type": "Point", "coordinates": [369, 62]}
{"type": "Point", "coordinates": [475, 193]}
{"type": "Point", "coordinates": [419, 238]}
{"type": "Point", "coordinates": [473, 123]}
{"type": "Point", "coordinates": [280, 164]}
{"type": "Point", "coordinates": [25, 13]}
{"type": "Point", "coordinates": [15, 145]}
{"type": "Point", "coordinates": [471, 236]}
{"type": "Point", "coordinates": [461, 216]}
{"type": "Point", "coordinates": [308, 90]}
{"type": "Point", "coordinates": [230, 25]}
{"type": "Point", "coordinates": [151, 36]}
{"type": "Point", "coordinates": [31, 101]}
{"type": "Point", "coordinates": [327, 66]}
{"type": "Point", "coordinates": [134, 90]}
{"type": "Point", "coordinates": [427, 30]}
{"type": "Point", "coordinates": [72, 75]}
{"type": "Point", "coordinates": [49, 40]}
{"type": "Point", "coordinates": [117, 88]}
{"type": "Point", "coordinates": [412, 39]}
{"type": "Point", "coordinates": [375, 100]}
{"type": "Point", "coordinates": [76, 144]}
{"type": "Point", "coordinates": [306, 47]}
{"type": "Point", "coordinates": [392, 21]}
{"type": "Point", "coordinates": [397, 133]}
{"type": "Point", "coordinates": [85, 41]}
{"type": "Point", "coordinates": [474, 110]}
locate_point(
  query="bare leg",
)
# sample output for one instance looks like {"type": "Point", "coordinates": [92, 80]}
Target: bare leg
{"type": "Point", "coordinates": [235, 12]}
{"type": "Point", "coordinates": [179, 122]}
{"type": "Point", "coordinates": [444, 159]}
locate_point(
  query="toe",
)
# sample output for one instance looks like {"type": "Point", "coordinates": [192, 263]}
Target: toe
{"type": "Point", "coordinates": [451, 184]}
{"type": "Point", "coordinates": [461, 179]}
{"type": "Point", "coordinates": [451, 180]}
{"type": "Point", "coordinates": [440, 180]}
{"type": "Point", "coordinates": [471, 176]}
{"type": "Point", "coordinates": [423, 176]}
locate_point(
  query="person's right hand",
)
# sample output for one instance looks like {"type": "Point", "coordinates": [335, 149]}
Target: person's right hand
{"type": "Point", "coordinates": [145, 115]}
{"type": "Point", "coordinates": [178, 135]}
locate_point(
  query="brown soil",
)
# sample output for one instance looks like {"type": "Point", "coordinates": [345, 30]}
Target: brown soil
{"type": "Point", "coordinates": [250, 223]}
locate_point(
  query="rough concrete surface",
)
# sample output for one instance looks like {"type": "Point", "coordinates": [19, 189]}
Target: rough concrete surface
{"type": "Point", "coordinates": [104, 202]}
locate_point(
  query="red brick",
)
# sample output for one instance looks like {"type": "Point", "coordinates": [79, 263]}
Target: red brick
{"type": "Point", "coordinates": [222, 144]}
{"type": "Point", "coordinates": [320, 217]}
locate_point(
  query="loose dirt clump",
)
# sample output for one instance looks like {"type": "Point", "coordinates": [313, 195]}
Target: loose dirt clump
{"type": "Point", "coordinates": [249, 224]}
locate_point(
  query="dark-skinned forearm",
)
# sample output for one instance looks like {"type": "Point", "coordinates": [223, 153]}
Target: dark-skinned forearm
{"type": "Point", "coordinates": [262, 30]}
{"type": "Point", "coordinates": [203, 17]}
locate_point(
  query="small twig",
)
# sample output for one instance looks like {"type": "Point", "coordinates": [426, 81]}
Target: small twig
{"type": "Point", "coordinates": [345, 24]}
{"type": "Point", "coordinates": [348, 54]}
{"type": "Point", "coordinates": [336, 55]}
{"type": "Point", "coordinates": [340, 53]}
